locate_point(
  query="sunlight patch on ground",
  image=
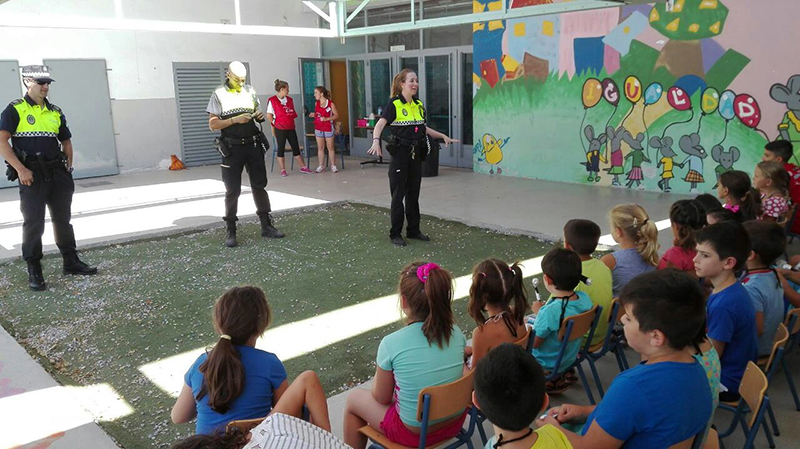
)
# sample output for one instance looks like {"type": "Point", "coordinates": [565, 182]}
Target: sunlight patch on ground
{"type": "Point", "coordinates": [115, 213]}
{"type": "Point", "coordinates": [37, 414]}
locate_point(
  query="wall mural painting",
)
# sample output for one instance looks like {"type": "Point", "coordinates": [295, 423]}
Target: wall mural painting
{"type": "Point", "coordinates": [641, 96]}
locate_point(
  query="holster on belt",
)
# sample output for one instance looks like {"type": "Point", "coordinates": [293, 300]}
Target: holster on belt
{"type": "Point", "coordinates": [221, 147]}
{"type": "Point", "coordinates": [11, 172]}
{"type": "Point", "coordinates": [392, 142]}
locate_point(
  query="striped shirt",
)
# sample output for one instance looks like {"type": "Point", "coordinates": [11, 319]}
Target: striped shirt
{"type": "Point", "coordinates": [279, 431]}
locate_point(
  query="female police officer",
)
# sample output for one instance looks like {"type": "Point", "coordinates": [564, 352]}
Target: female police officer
{"type": "Point", "coordinates": [408, 146]}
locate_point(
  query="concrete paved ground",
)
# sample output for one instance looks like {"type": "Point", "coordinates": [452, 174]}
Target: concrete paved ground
{"type": "Point", "coordinates": [148, 204]}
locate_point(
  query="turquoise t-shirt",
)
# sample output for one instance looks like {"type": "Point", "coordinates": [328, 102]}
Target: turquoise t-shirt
{"type": "Point", "coordinates": [547, 327]}
{"type": "Point", "coordinates": [416, 364]}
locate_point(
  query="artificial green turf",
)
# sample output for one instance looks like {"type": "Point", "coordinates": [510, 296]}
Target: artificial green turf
{"type": "Point", "coordinates": [153, 298]}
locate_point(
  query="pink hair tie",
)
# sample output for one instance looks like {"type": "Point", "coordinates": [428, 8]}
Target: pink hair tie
{"type": "Point", "coordinates": [424, 270]}
{"type": "Point", "coordinates": [733, 209]}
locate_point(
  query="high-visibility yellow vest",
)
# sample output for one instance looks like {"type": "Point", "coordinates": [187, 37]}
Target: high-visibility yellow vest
{"type": "Point", "coordinates": [408, 114]}
{"type": "Point", "coordinates": [37, 121]}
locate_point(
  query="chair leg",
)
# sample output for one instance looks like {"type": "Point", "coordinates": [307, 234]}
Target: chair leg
{"type": "Point", "coordinates": [479, 424]}
{"type": "Point", "coordinates": [768, 434]}
{"type": "Point", "coordinates": [586, 386]}
{"type": "Point", "coordinates": [751, 435]}
{"type": "Point", "coordinates": [792, 387]}
{"type": "Point", "coordinates": [773, 421]}
{"type": "Point", "coordinates": [596, 376]}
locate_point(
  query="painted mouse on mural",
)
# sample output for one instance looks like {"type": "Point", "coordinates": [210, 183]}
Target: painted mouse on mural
{"type": "Point", "coordinates": [690, 144]}
{"type": "Point", "coordinates": [790, 96]}
{"type": "Point", "coordinates": [637, 156]}
{"type": "Point", "coordinates": [616, 160]}
{"type": "Point", "coordinates": [667, 160]}
{"type": "Point", "coordinates": [724, 159]}
{"type": "Point", "coordinates": [593, 154]}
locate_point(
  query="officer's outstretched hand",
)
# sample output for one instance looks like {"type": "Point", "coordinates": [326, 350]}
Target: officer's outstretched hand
{"type": "Point", "coordinates": [25, 177]}
{"type": "Point", "coordinates": [375, 149]}
{"type": "Point", "coordinates": [448, 141]}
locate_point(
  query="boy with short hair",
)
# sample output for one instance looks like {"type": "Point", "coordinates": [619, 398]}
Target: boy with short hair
{"type": "Point", "coordinates": [722, 249]}
{"type": "Point", "coordinates": [782, 151]}
{"type": "Point", "coordinates": [510, 391]}
{"type": "Point", "coordinates": [762, 282]}
{"type": "Point", "coordinates": [665, 400]}
{"type": "Point", "coordinates": [582, 237]}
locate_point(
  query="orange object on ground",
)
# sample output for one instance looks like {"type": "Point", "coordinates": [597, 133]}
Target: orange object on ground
{"type": "Point", "coordinates": [176, 163]}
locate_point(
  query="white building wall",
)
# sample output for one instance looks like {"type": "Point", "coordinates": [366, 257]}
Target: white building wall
{"type": "Point", "coordinates": [140, 73]}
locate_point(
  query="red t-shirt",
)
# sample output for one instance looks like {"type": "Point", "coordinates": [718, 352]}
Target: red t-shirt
{"type": "Point", "coordinates": [320, 113]}
{"type": "Point", "coordinates": [794, 190]}
{"type": "Point", "coordinates": [681, 258]}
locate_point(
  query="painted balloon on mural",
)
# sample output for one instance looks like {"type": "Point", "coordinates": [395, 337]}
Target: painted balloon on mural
{"type": "Point", "coordinates": [611, 91]}
{"type": "Point", "coordinates": [747, 110]}
{"type": "Point", "coordinates": [653, 93]}
{"type": "Point", "coordinates": [678, 99]}
{"type": "Point", "coordinates": [592, 93]}
{"type": "Point", "coordinates": [633, 89]}
{"type": "Point", "coordinates": [726, 105]}
{"type": "Point", "coordinates": [710, 101]}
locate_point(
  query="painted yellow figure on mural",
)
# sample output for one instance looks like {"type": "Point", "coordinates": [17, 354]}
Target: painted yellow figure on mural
{"type": "Point", "coordinates": [492, 151]}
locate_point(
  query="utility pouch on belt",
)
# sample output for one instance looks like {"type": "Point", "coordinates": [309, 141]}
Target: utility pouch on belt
{"type": "Point", "coordinates": [221, 146]}
{"type": "Point", "coordinates": [11, 173]}
{"type": "Point", "coordinates": [262, 140]}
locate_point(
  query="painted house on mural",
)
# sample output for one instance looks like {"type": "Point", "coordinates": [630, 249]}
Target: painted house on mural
{"type": "Point", "coordinates": [641, 97]}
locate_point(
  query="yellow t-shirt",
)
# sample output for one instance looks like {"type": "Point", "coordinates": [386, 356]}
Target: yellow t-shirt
{"type": "Point", "coordinates": [550, 437]}
{"type": "Point", "coordinates": [599, 292]}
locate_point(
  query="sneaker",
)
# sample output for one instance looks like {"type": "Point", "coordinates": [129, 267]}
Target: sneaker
{"type": "Point", "coordinates": [284, 174]}
{"type": "Point", "coordinates": [306, 171]}
{"type": "Point", "coordinates": [319, 169]}
{"type": "Point", "coordinates": [334, 169]}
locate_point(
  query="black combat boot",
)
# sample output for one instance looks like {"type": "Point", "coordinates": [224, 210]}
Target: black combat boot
{"type": "Point", "coordinates": [35, 277]}
{"type": "Point", "coordinates": [230, 237]}
{"type": "Point", "coordinates": [267, 230]}
{"type": "Point", "coordinates": [73, 265]}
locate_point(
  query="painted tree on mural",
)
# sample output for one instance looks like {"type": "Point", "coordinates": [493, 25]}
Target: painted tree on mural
{"type": "Point", "coordinates": [686, 24]}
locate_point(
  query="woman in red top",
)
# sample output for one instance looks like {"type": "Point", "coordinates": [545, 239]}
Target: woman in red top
{"type": "Point", "coordinates": [324, 115]}
{"type": "Point", "coordinates": [281, 113]}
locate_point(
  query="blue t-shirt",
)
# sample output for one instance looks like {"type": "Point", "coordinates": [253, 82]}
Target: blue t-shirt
{"type": "Point", "coordinates": [547, 327]}
{"type": "Point", "coordinates": [655, 406]}
{"type": "Point", "coordinates": [732, 320]}
{"type": "Point", "coordinates": [766, 293]}
{"type": "Point", "coordinates": [417, 364]}
{"type": "Point", "coordinates": [263, 373]}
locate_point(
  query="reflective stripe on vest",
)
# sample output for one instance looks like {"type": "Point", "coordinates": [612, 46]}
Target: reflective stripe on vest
{"type": "Point", "coordinates": [408, 113]}
{"type": "Point", "coordinates": [37, 121]}
{"type": "Point", "coordinates": [235, 103]}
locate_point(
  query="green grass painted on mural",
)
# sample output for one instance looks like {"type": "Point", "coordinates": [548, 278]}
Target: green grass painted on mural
{"type": "Point", "coordinates": [153, 299]}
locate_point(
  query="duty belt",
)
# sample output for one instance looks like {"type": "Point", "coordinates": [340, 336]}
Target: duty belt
{"type": "Point", "coordinates": [230, 141]}
{"type": "Point", "coordinates": [394, 140]}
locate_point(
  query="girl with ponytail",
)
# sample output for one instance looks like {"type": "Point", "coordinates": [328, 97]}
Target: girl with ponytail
{"type": "Point", "coordinates": [235, 380]}
{"type": "Point", "coordinates": [497, 289]}
{"type": "Point", "coordinates": [427, 351]}
{"type": "Point", "coordinates": [738, 195]}
{"type": "Point", "coordinates": [637, 237]}
{"type": "Point", "coordinates": [686, 217]}
{"type": "Point", "coordinates": [324, 115]}
{"type": "Point", "coordinates": [562, 272]}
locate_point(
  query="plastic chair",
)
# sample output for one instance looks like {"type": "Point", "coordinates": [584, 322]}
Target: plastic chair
{"type": "Point", "coordinates": [769, 364]}
{"type": "Point", "coordinates": [754, 401]}
{"type": "Point", "coordinates": [339, 140]}
{"type": "Point", "coordinates": [792, 323]}
{"type": "Point", "coordinates": [434, 403]}
{"type": "Point", "coordinates": [573, 328]}
{"type": "Point", "coordinates": [275, 151]}
{"type": "Point", "coordinates": [609, 343]}
{"type": "Point", "coordinates": [246, 425]}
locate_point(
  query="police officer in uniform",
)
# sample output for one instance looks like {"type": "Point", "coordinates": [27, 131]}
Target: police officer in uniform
{"type": "Point", "coordinates": [233, 109]}
{"type": "Point", "coordinates": [408, 145]}
{"type": "Point", "coordinates": [41, 158]}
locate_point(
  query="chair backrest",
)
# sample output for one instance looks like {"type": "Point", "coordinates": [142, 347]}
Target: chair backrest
{"type": "Point", "coordinates": [448, 399]}
{"type": "Point", "coordinates": [781, 337]}
{"type": "Point", "coordinates": [523, 342]}
{"type": "Point", "coordinates": [244, 425]}
{"type": "Point", "coordinates": [581, 323]}
{"type": "Point", "coordinates": [753, 387]}
{"type": "Point", "coordinates": [616, 318]}
{"type": "Point", "coordinates": [792, 321]}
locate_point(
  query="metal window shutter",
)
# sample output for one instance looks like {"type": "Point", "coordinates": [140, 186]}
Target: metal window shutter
{"type": "Point", "coordinates": [194, 84]}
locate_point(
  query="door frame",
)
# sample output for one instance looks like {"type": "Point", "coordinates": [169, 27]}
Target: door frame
{"type": "Point", "coordinates": [325, 82]}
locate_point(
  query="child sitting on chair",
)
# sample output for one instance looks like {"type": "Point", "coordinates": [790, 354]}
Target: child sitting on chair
{"type": "Point", "coordinates": [428, 351]}
{"type": "Point", "coordinates": [497, 289]}
{"type": "Point", "coordinates": [582, 236]}
{"type": "Point", "coordinates": [509, 390]}
{"type": "Point", "coordinates": [561, 270]}
{"type": "Point", "coordinates": [665, 400]}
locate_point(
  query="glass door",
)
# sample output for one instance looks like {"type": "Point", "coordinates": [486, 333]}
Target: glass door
{"type": "Point", "coordinates": [357, 90]}
{"type": "Point", "coordinates": [437, 92]}
{"type": "Point", "coordinates": [312, 74]}
{"type": "Point", "coordinates": [464, 131]}
{"type": "Point", "coordinates": [380, 78]}
{"type": "Point", "coordinates": [409, 62]}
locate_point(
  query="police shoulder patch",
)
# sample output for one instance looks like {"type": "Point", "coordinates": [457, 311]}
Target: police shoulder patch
{"type": "Point", "coordinates": [16, 102]}
{"type": "Point", "coordinates": [55, 108]}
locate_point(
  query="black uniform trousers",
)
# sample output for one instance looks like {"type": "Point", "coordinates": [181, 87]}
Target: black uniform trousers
{"type": "Point", "coordinates": [51, 188]}
{"type": "Point", "coordinates": [248, 157]}
{"type": "Point", "coordinates": [405, 178]}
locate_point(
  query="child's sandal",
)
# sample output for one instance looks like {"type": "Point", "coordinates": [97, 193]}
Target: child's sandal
{"type": "Point", "coordinates": [556, 387]}
{"type": "Point", "coordinates": [570, 378]}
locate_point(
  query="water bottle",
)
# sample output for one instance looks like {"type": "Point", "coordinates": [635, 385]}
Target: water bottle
{"type": "Point", "coordinates": [380, 110]}
{"type": "Point", "coordinates": [371, 119]}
